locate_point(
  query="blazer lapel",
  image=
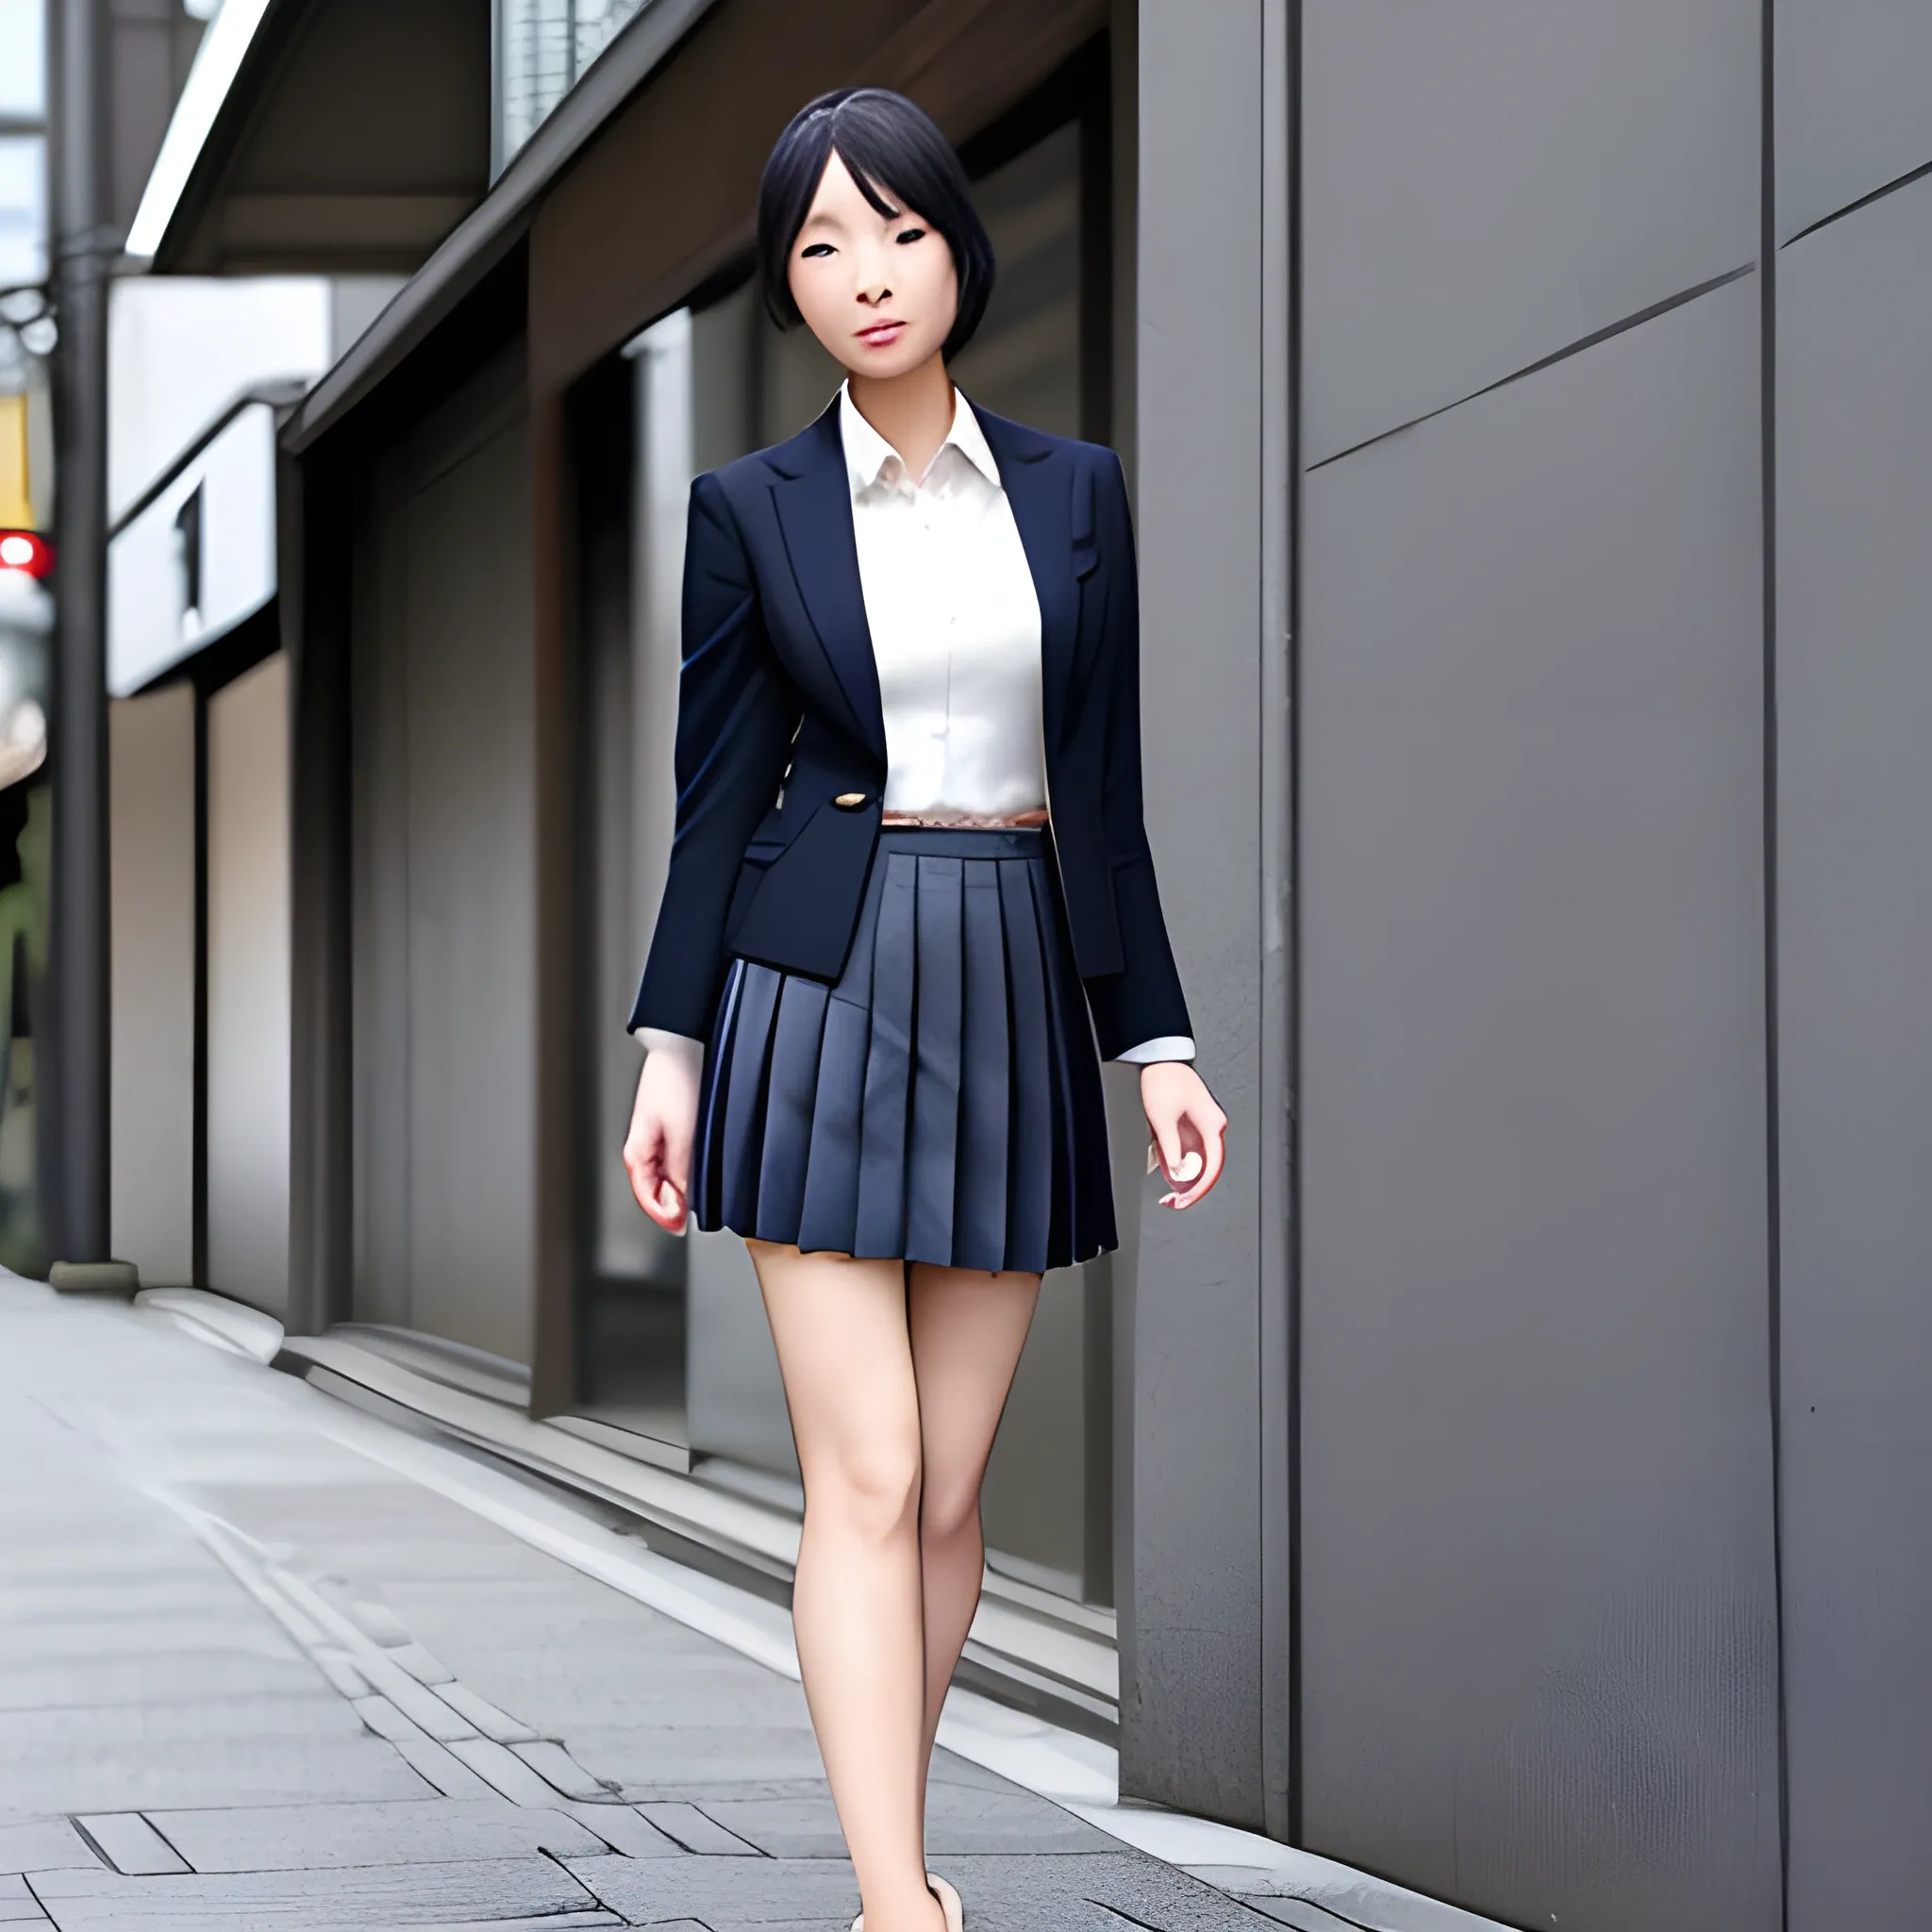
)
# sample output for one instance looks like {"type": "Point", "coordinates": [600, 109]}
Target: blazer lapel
{"type": "Point", "coordinates": [813, 499]}
{"type": "Point", "coordinates": [1038, 479]}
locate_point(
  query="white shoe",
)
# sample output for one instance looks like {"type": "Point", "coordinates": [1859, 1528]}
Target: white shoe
{"type": "Point", "coordinates": [950, 1904]}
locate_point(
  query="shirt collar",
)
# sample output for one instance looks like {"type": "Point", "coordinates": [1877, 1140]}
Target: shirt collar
{"type": "Point", "coordinates": [867, 452]}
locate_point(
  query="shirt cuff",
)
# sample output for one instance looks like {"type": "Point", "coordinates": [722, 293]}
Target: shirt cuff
{"type": "Point", "coordinates": [679, 1045]}
{"type": "Point", "coordinates": [1169, 1046]}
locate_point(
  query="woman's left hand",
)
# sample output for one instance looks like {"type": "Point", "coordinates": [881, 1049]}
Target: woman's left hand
{"type": "Point", "coordinates": [1188, 1128]}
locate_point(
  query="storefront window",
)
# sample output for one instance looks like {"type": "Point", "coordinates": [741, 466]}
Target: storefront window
{"type": "Point", "coordinates": [543, 50]}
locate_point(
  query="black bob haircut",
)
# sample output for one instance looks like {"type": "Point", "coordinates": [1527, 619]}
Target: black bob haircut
{"type": "Point", "coordinates": [893, 148]}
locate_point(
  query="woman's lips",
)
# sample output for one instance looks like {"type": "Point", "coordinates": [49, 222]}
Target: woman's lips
{"type": "Point", "coordinates": [880, 333]}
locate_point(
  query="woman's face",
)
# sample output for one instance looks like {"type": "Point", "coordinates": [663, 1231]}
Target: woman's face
{"type": "Point", "coordinates": [879, 290]}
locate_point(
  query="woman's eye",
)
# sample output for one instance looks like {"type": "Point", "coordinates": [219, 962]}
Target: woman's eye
{"type": "Point", "coordinates": [806, 253]}
{"type": "Point", "coordinates": [906, 235]}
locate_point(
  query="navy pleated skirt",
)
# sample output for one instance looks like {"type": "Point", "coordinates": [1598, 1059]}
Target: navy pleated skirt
{"type": "Point", "coordinates": [942, 1101]}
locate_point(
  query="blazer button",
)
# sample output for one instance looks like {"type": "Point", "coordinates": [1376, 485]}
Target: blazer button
{"type": "Point", "coordinates": [849, 801]}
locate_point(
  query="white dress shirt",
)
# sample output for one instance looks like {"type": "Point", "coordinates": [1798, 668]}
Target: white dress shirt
{"type": "Point", "coordinates": [955, 622]}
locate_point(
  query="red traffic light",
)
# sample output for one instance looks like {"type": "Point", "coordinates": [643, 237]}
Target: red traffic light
{"type": "Point", "coordinates": [26, 551]}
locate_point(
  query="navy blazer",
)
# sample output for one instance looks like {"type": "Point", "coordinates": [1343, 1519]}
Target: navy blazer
{"type": "Point", "coordinates": [779, 688]}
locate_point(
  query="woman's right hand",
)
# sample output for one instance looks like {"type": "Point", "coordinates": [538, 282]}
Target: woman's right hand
{"type": "Point", "coordinates": [663, 1122]}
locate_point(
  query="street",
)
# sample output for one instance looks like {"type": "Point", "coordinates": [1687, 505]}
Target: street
{"type": "Point", "coordinates": [257, 1671]}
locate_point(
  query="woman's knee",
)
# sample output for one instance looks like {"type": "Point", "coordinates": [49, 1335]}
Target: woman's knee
{"type": "Point", "coordinates": [949, 1505]}
{"type": "Point", "coordinates": [869, 1488]}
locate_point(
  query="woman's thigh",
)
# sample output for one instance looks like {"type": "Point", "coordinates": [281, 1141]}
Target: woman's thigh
{"type": "Point", "coordinates": [968, 1330]}
{"type": "Point", "coordinates": [839, 1328]}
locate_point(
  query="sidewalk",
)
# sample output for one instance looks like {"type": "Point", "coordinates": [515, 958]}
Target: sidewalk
{"type": "Point", "coordinates": [267, 1664]}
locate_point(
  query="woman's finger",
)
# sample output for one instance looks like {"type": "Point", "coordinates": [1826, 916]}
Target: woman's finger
{"type": "Point", "coordinates": [1212, 1139]}
{"type": "Point", "coordinates": [669, 1211]}
{"type": "Point", "coordinates": [1167, 1137]}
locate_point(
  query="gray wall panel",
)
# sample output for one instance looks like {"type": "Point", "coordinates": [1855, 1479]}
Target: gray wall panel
{"type": "Point", "coordinates": [1191, 1676]}
{"type": "Point", "coordinates": [1854, 101]}
{"type": "Point", "coordinates": [444, 880]}
{"type": "Point", "coordinates": [1854, 698]}
{"type": "Point", "coordinates": [151, 806]}
{"type": "Point", "coordinates": [1490, 181]}
{"type": "Point", "coordinates": [1537, 1603]}
{"type": "Point", "coordinates": [248, 983]}
{"type": "Point", "coordinates": [469, 759]}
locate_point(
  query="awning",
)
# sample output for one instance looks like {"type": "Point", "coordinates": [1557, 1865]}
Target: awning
{"type": "Point", "coordinates": [323, 137]}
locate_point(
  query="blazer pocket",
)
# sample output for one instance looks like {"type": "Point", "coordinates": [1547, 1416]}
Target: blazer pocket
{"type": "Point", "coordinates": [800, 909]}
{"type": "Point", "coordinates": [758, 856]}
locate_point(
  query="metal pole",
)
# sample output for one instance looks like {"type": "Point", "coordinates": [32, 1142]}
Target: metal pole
{"type": "Point", "coordinates": [73, 1181]}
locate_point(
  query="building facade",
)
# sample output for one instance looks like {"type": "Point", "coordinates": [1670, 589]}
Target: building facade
{"type": "Point", "coordinates": [1505, 1483]}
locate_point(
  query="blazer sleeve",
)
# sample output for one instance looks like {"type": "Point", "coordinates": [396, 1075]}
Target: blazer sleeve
{"type": "Point", "coordinates": [735, 713]}
{"type": "Point", "coordinates": [1143, 1001]}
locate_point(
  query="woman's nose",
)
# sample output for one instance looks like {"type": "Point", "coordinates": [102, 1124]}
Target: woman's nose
{"type": "Point", "coordinates": [868, 270]}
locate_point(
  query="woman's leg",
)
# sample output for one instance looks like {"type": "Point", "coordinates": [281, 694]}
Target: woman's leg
{"type": "Point", "coordinates": [843, 1349]}
{"type": "Point", "coordinates": [968, 1330]}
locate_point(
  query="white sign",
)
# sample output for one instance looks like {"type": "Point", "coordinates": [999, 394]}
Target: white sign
{"type": "Point", "coordinates": [199, 558]}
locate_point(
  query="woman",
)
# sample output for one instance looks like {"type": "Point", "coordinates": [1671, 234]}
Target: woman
{"type": "Point", "coordinates": [866, 1010]}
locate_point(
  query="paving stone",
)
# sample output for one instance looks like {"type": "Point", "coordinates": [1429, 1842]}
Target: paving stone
{"type": "Point", "coordinates": [1297, 1912]}
{"type": "Point", "coordinates": [504, 1771]}
{"type": "Point", "coordinates": [140, 1726]}
{"type": "Point", "coordinates": [286, 1837]}
{"type": "Point", "coordinates": [653, 1760]}
{"type": "Point", "coordinates": [420, 1706]}
{"type": "Point", "coordinates": [957, 1819]}
{"type": "Point", "coordinates": [556, 1766]}
{"type": "Point", "coordinates": [485, 1715]}
{"type": "Point", "coordinates": [446, 1772]}
{"type": "Point", "coordinates": [383, 1718]}
{"type": "Point", "coordinates": [41, 1845]}
{"type": "Point", "coordinates": [549, 1922]}
{"type": "Point", "coordinates": [237, 1629]}
{"type": "Point", "coordinates": [625, 1830]}
{"type": "Point", "coordinates": [490, 1891]}
{"type": "Point", "coordinates": [126, 1600]}
{"type": "Point", "coordinates": [721, 1893]}
{"type": "Point", "coordinates": [339, 1669]}
{"type": "Point", "coordinates": [13, 1891]}
{"type": "Point", "coordinates": [148, 1679]}
{"type": "Point", "coordinates": [614, 1689]}
{"type": "Point", "coordinates": [110, 1776]}
{"type": "Point", "coordinates": [698, 1832]}
{"type": "Point", "coordinates": [129, 1843]}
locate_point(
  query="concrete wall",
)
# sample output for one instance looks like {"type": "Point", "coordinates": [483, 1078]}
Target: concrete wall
{"type": "Point", "coordinates": [1537, 1610]}
{"type": "Point", "coordinates": [248, 978]}
{"type": "Point", "coordinates": [1609, 1110]}
{"type": "Point", "coordinates": [1854, 219]}
{"type": "Point", "coordinates": [1199, 1682]}
{"type": "Point", "coordinates": [444, 1052]}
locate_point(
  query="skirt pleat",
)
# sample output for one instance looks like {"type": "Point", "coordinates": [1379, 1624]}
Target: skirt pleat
{"type": "Point", "coordinates": [979, 1183]}
{"type": "Point", "coordinates": [939, 1015]}
{"type": "Point", "coordinates": [878, 1223]}
{"type": "Point", "coordinates": [942, 1101]}
{"type": "Point", "coordinates": [791, 1096]}
{"type": "Point", "coordinates": [1029, 1206]}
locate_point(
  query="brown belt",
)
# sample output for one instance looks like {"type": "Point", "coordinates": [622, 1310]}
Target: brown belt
{"type": "Point", "coordinates": [966, 821]}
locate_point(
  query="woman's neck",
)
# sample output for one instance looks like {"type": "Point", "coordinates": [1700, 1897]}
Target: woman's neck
{"type": "Point", "coordinates": [913, 412]}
